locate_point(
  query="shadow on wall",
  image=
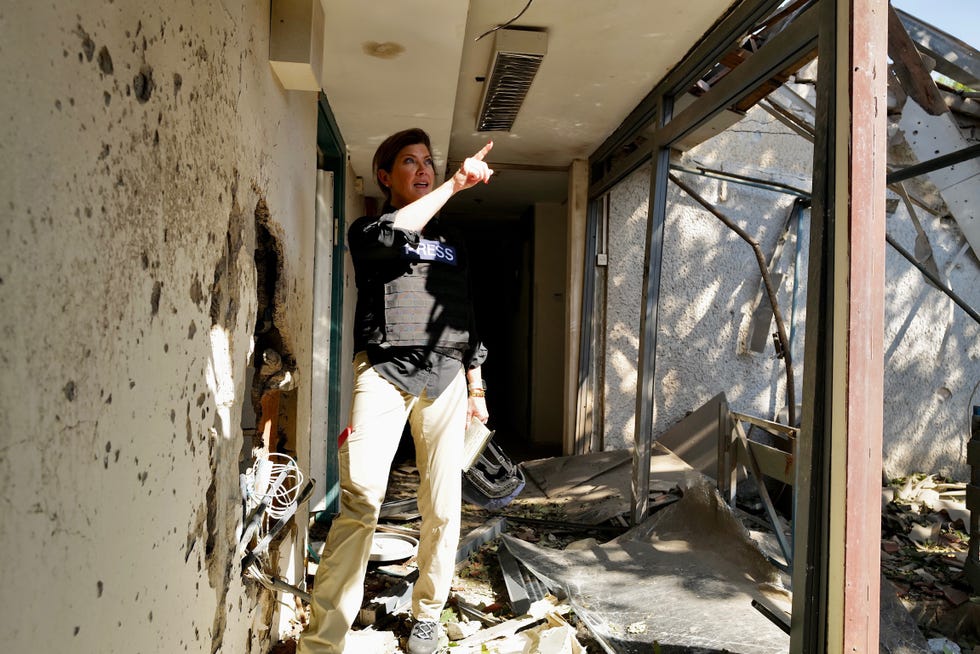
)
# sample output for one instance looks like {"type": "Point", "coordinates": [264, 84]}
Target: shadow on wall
{"type": "Point", "coordinates": [710, 279]}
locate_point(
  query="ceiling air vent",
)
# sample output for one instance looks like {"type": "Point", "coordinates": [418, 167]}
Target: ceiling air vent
{"type": "Point", "coordinates": [517, 54]}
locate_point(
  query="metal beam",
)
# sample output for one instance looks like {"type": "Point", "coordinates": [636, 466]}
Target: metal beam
{"type": "Point", "coordinates": [936, 281]}
{"type": "Point", "coordinates": [718, 40]}
{"type": "Point", "coordinates": [584, 400]}
{"type": "Point", "coordinates": [778, 53]}
{"type": "Point", "coordinates": [942, 161]}
{"type": "Point", "coordinates": [808, 622]}
{"type": "Point", "coordinates": [782, 338]}
{"type": "Point", "coordinates": [747, 180]}
{"type": "Point", "coordinates": [788, 118]}
{"type": "Point", "coordinates": [598, 360]}
{"type": "Point", "coordinates": [646, 366]}
{"type": "Point", "coordinates": [620, 170]}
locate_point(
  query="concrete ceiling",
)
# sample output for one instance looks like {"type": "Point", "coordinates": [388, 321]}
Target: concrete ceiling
{"type": "Point", "coordinates": [392, 64]}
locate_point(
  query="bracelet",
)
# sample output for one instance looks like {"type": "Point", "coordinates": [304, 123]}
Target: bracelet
{"type": "Point", "coordinates": [477, 392]}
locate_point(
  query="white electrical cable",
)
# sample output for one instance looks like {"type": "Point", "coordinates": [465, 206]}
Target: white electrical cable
{"type": "Point", "coordinates": [284, 496]}
{"type": "Point", "coordinates": [281, 493]}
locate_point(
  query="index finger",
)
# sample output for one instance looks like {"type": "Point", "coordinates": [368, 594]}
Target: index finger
{"type": "Point", "coordinates": [483, 151]}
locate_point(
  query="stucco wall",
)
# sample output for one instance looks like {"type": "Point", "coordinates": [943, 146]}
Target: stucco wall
{"type": "Point", "coordinates": [137, 144]}
{"type": "Point", "coordinates": [932, 352]}
{"type": "Point", "coordinates": [710, 279]}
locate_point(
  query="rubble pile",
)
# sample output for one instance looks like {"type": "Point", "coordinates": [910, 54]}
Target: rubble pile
{"type": "Point", "coordinates": [493, 609]}
{"type": "Point", "coordinates": [924, 542]}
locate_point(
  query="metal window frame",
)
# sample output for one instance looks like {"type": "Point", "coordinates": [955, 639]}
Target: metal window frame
{"type": "Point", "coordinates": [824, 611]}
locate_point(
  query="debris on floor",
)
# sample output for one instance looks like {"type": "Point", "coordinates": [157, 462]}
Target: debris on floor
{"type": "Point", "coordinates": [924, 545]}
{"type": "Point", "coordinates": [557, 571]}
{"type": "Point", "coordinates": [685, 578]}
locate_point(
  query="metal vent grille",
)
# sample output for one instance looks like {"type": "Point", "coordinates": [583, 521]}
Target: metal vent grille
{"type": "Point", "coordinates": [517, 57]}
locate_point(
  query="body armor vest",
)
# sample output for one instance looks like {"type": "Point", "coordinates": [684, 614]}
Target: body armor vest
{"type": "Point", "coordinates": [428, 306]}
{"type": "Point", "coordinates": [413, 295]}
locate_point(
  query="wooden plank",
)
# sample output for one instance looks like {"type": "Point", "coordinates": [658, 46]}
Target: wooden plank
{"type": "Point", "coordinates": [912, 72]}
{"type": "Point", "coordinates": [773, 462]}
{"type": "Point", "coordinates": [774, 82]}
{"type": "Point", "coordinates": [576, 439]}
{"type": "Point", "coordinates": [768, 425]}
{"type": "Point", "coordinates": [955, 59]}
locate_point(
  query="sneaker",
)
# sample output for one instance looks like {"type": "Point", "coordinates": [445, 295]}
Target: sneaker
{"type": "Point", "coordinates": [424, 638]}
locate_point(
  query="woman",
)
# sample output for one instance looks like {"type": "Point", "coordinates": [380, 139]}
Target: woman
{"type": "Point", "coordinates": [418, 359]}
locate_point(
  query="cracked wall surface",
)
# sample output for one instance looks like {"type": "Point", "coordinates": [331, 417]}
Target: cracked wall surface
{"type": "Point", "coordinates": [138, 143]}
{"type": "Point", "coordinates": [710, 278]}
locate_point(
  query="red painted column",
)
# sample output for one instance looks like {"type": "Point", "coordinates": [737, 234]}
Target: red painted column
{"type": "Point", "coordinates": [865, 69]}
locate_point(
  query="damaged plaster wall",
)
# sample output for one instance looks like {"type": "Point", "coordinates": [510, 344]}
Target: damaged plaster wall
{"type": "Point", "coordinates": [138, 142]}
{"type": "Point", "coordinates": [709, 284]}
{"type": "Point", "coordinates": [710, 279]}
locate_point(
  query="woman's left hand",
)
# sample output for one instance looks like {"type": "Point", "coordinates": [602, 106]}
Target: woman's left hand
{"type": "Point", "coordinates": [476, 407]}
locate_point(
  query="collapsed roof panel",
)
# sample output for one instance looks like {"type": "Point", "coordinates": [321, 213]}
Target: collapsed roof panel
{"type": "Point", "coordinates": [929, 136]}
{"type": "Point", "coordinates": [955, 59]}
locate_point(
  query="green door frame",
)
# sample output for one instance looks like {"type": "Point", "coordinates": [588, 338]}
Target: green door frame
{"type": "Point", "coordinates": [330, 144]}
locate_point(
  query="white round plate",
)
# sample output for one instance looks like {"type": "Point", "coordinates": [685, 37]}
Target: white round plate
{"type": "Point", "coordinates": [388, 547]}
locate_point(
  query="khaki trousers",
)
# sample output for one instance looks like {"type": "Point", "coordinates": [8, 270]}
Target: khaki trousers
{"type": "Point", "coordinates": [378, 414]}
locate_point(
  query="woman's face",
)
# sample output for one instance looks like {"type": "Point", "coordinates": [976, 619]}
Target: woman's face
{"type": "Point", "coordinates": [411, 175]}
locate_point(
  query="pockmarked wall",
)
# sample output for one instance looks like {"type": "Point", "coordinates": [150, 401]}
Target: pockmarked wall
{"type": "Point", "coordinates": [708, 293]}
{"type": "Point", "coordinates": [141, 147]}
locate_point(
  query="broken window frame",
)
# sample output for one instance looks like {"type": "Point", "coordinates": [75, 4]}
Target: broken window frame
{"type": "Point", "coordinates": [824, 612]}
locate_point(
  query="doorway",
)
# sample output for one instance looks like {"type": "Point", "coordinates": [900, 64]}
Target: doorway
{"type": "Point", "coordinates": [518, 280]}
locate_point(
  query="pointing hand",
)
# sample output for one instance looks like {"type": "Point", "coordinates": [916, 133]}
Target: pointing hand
{"type": "Point", "coordinates": [473, 170]}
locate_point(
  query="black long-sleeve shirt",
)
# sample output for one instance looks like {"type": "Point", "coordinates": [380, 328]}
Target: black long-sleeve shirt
{"type": "Point", "coordinates": [380, 250]}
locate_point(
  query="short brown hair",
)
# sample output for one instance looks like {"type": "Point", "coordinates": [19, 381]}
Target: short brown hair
{"type": "Point", "coordinates": [384, 156]}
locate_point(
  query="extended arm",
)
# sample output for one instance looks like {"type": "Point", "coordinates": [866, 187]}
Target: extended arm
{"type": "Point", "coordinates": [414, 216]}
